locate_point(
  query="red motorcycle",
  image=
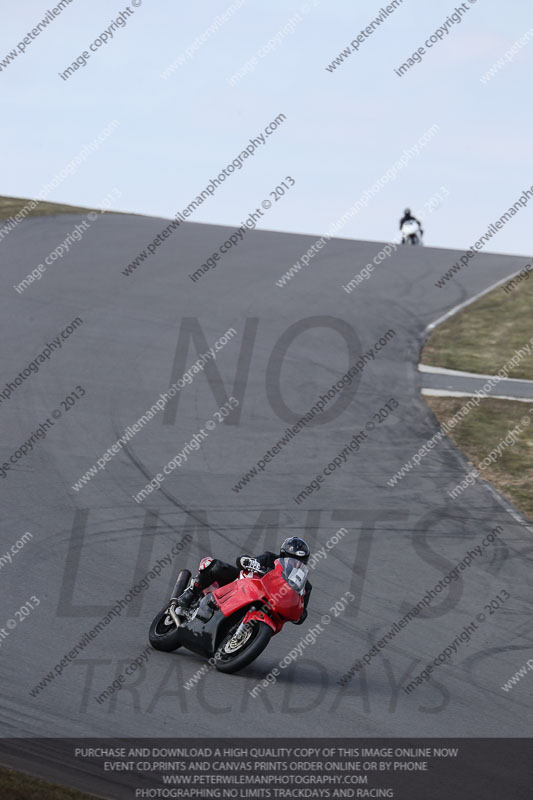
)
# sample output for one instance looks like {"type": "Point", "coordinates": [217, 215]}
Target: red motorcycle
{"type": "Point", "coordinates": [233, 624]}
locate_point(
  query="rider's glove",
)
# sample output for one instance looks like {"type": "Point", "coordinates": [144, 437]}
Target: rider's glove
{"type": "Point", "coordinates": [250, 563]}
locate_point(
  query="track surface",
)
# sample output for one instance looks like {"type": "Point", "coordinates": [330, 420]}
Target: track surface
{"type": "Point", "coordinates": [89, 547]}
{"type": "Point", "coordinates": [467, 383]}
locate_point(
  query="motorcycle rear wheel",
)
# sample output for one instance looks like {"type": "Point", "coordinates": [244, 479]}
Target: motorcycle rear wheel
{"type": "Point", "coordinates": [163, 634]}
{"type": "Point", "coordinates": [233, 655]}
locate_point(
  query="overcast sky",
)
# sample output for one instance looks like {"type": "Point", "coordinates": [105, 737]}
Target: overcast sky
{"type": "Point", "coordinates": [344, 129]}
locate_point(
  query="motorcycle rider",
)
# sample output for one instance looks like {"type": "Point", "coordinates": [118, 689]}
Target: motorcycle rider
{"type": "Point", "coordinates": [408, 217]}
{"type": "Point", "coordinates": [213, 570]}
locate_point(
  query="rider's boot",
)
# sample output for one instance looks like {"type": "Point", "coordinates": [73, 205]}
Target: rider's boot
{"type": "Point", "coordinates": [190, 595]}
{"type": "Point", "coordinates": [194, 591]}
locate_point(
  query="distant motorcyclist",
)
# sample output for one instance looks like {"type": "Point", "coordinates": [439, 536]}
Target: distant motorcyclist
{"type": "Point", "coordinates": [213, 570]}
{"type": "Point", "coordinates": [408, 217]}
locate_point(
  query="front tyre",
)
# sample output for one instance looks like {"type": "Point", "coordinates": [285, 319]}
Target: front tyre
{"type": "Point", "coordinates": [237, 651]}
{"type": "Point", "coordinates": [163, 634]}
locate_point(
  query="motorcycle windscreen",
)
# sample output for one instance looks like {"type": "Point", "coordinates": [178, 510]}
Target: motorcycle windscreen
{"type": "Point", "coordinates": [284, 586]}
{"type": "Point", "coordinates": [295, 573]}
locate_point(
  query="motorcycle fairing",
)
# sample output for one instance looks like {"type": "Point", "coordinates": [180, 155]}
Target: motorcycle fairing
{"type": "Point", "coordinates": [203, 637]}
{"type": "Point", "coordinates": [260, 616]}
{"type": "Point", "coordinates": [284, 601]}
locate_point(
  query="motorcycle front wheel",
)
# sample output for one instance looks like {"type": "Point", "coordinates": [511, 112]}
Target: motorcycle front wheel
{"type": "Point", "coordinates": [163, 634]}
{"type": "Point", "coordinates": [236, 652]}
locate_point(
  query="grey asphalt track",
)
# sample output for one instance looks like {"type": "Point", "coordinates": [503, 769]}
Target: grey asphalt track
{"type": "Point", "coordinates": [467, 383]}
{"type": "Point", "coordinates": [90, 546]}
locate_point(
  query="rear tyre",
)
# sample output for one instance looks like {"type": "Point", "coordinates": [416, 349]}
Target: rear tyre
{"type": "Point", "coordinates": [163, 634]}
{"type": "Point", "coordinates": [236, 653]}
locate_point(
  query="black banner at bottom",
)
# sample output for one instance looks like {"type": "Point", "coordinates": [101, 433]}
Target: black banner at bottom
{"type": "Point", "coordinates": [404, 769]}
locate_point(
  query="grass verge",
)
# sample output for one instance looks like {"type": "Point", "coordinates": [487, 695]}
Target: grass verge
{"type": "Point", "coordinates": [485, 335]}
{"type": "Point", "coordinates": [17, 786]}
{"type": "Point", "coordinates": [9, 206]}
{"type": "Point", "coordinates": [481, 431]}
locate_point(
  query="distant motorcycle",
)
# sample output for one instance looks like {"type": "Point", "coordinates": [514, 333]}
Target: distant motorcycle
{"type": "Point", "coordinates": [233, 624]}
{"type": "Point", "coordinates": [411, 232]}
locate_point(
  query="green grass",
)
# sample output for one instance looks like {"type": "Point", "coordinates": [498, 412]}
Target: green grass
{"type": "Point", "coordinates": [9, 206]}
{"type": "Point", "coordinates": [16, 786]}
{"type": "Point", "coordinates": [481, 431]}
{"type": "Point", "coordinates": [485, 335]}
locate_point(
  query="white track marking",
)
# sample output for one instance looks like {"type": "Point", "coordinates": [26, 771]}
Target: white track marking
{"type": "Point", "coordinates": [449, 393]}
